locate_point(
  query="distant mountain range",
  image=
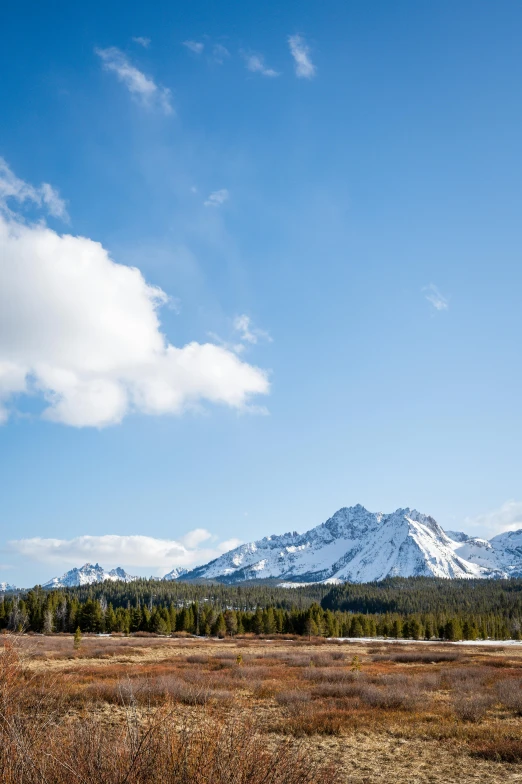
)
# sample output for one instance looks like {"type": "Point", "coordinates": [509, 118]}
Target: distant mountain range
{"type": "Point", "coordinates": [7, 587]}
{"type": "Point", "coordinates": [89, 575]}
{"type": "Point", "coordinates": [354, 545]}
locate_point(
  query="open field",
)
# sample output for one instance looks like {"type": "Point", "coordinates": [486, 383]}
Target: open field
{"type": "Point", "coordinates": [318, 710]}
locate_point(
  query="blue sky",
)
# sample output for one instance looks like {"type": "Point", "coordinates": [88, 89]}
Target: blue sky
{"type": "Point", "coordinates": [323, 202]}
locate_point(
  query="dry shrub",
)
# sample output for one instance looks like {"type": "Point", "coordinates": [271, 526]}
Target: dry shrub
{"type": "Point", "coordinates": [396, 696]}
{"type": "Point", "coordinates": [148, 691]}
{"type": "Point", "coordinates": [430, 681]}
{"type": "Point", "coordinates": [259, 672]}
{"type": "Point", "coordinates": [499, 662]}
{"type": "Point", "coordinates": [263, 689]}
{"type": "Point", "coordinates": [509, 692]}
{"type": "Point", "coordinates": [322, 659]}
{"type": "Point", "coordinates": [466, 678]}
{"type": "Point", "coordinates": [296, 660]}
{"type": "Point", "coordinates": [471, 707]}
{"type": "Point", "coordinates": [419, 657]}
{"type": "Point", "coordinates": [499, 750]}
{"type": "Point", "coordinates": [305, 719]}
{"type": "Point", "coordinates": [37, 747]}
{"type": "Point", "coordinates": [147, 753]}
{"type": "Point", "coordinates": [223, 664]}
{"type": "Point", "coordinates": [180, 691]}
{"type": "Point", "coordinates": [329, 674]}
{"type": "Point", "coordinates": [336, 690]}
{"type": "Point", "coordinates": [293, 697]}
{"type": "Point", "coordinates": [413, 684]}
{"type": "Point", "coordinates": [198, 659]}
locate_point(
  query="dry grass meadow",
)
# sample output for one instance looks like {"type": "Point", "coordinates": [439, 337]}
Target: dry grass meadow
{"type": "Point", "coordinates": [152, 709]}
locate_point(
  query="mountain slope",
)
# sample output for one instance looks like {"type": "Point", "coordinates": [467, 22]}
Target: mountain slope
{"type": "Point", "coordinates": [88, 575]}
{"type": "Point", "coordinates": [6, 587]}
{"type": "Point", "coordinates": [361, 546]}
{"type": "Point", "coordinates": [176, 573]}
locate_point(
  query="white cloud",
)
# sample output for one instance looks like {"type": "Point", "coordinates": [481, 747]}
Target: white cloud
{"type": "Point", "coordinates": [112, 550]}
{"type": "Point", "coordinates": [217, 198]}
{"type": "Point", "coordinates": [507, 518]}
{"type": "Point", "coordinates": [11, 187]}
{"type": "Point", "coordinates": [435, 298]}
{"type": "Point", "coordinates": [143, 88]}
{"type": "Point", "coordinates": [83, 333]}
{"type": "Point", "coordinates": [145, 42]}
{"type": "Point", "coordinates": [194, 46]}
{"type": "Point", "coordinates": [256, 64]}
{"type": "Point", "coordinates": [220, 53]}
{"type": "Point", "coordinates": [300, 51]}
{"type": "Point", "coordinates": [249, 333]}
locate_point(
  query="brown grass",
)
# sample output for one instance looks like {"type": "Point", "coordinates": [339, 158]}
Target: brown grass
{"type": "Point", "coordinates": [440, 716]}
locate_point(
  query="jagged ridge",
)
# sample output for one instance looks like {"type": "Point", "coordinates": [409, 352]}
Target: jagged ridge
{"type": "Point", "coordinates": [360, 546]}
{"type": "Point", "coordinates": [89, 574]}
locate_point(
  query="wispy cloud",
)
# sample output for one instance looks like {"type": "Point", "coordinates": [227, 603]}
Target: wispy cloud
{"type": "Point", "coordinates": [435, 297]}
{"type": "Point", "coordinates": [248, 332]}
{"type": "Point", "coordinates": [508, 517]}
{"type": "Point", "coordinates": [12, 187]}
{"type": "Point", "coordinates": [194, 46]}
{"type": "Point", "coordinates": [217, 198]}
{"type": "Point", "coordinates": [143, 88]}
{"type": "Point", "coordinates": [145, 42]}
{"type": "Point", "coordinates": [256, 64]}
{"type": "Point", "coordinates": [300, 51]}
{"type": "Point", "coordinates": [197, 546]}
{"type": "Point", "coordinates": [220, 53]}
{"type": "Point", "coordinates": [246, 335]}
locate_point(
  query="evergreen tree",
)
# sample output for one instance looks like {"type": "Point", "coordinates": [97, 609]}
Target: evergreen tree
{"type": "Point", "coordinates": [220, 628]}
{"type": "Point", "coordinates": [231, 623]}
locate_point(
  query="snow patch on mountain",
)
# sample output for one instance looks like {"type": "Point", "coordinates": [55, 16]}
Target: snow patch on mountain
{"type": "Point", "coordinates": [176, 573]}
{"type": "Point", "coordinates": [7, 587]}
{"type": "Point", "coordinates": [360, 546]}
{"type": "Point", "coordinates": [89, 574]}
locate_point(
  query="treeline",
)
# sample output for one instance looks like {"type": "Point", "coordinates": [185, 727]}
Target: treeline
{"type": "Point", "coordinates": [59, 611]}
{"type": "Point", "coordinates": [407, 596]}
{"type": "Point", "coordinates": [247, 596]}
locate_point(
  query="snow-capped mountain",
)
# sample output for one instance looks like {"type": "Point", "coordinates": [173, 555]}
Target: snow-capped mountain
{"type": "Point", "coordinates": [502, 554]}
{"type": "Point", "coordinates": [88, 575]}
{"type": "Point", "coordinates": [360, 546]}
{"type": "Point", "coordinates": [176, 573]}
{"type": "Point", "coordinates": [6, 587]}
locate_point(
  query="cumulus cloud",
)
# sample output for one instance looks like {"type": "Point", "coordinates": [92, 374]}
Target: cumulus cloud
{"type": "Point", "coordinates": [143, 88]}
{"type": "Point", "coordinates": [435, 297]}
{"type": "Point", "coordinates": [507, 517]}
{"type": "Point", "coordinates": [194, 46]}
{"type": "Point", "coordinates": [83, 332]}
{"type": "Point", "coordinates": [11, 187]}
{"type": "Point", "coordinates": [217, 198]}
{"type": "Point", "coordinates": [300, 51]}
{"type": "Point", "coordinates": [112, 550]}
{"type": "Point", "coordinates": [256, 64]}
